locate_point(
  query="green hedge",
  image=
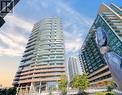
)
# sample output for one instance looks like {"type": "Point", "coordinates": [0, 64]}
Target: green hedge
{"type": "Point", "coordinates": [104, 93]}
{"type": "Point", "coordinates": [110, 93]}
{"type": "Point", "coordinates": [99, 93]}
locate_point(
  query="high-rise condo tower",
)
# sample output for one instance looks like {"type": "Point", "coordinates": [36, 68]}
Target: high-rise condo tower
{"type": "Point", "coordinates": [43, 61]}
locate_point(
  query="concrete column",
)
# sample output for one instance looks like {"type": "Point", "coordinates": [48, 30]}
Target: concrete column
{"type": "Point", "coordinates": [26, 89]}
{"type": "Point", "coordinates": [17, 90]}
{"type": "Point", "coordinates": [31, 88]}
{"type": "Point", "coordinates": [57, 85]}
{"type": "Point", "coordinates": [20, 91]}
{"type": "Point", "coordinates": [34, 88]}
{"type": "Point", "coordinates": [40, 88]}
{"type": "Point", "coordinates": [46, 86]}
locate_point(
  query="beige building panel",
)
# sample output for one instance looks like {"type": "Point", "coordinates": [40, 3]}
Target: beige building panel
{"type": "Point", "coordinates": [37, 67]}
{"type": "Point", "coordinates": [101, 75]}
{"type": "Point", "coordinates": [108, 79]}
{"type": "Point", "coordinates": [105, 67]}
{"type": "Point", "coordinates": [38, 80]}
{"type": "Point", "coordinates": [37, 71]}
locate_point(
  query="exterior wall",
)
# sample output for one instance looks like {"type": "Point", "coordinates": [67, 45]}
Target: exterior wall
{"type": "Point", "coordinates": [43, 61]}
{"type": "Point", "coordinates": [110, 19]}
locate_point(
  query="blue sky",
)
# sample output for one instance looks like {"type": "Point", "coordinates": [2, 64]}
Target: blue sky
{"type": "Point", "coordinates": [77, 17]}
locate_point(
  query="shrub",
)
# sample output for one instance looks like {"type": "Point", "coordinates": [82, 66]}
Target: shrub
{"type": "Point", "coordinates": [99, 93]}
{"type": "Point", "coordinates": [110, 88]}
{"type": "Point", "coordinates": [110, 93]}
{"type": "Point", "coordinates": [83, 93]}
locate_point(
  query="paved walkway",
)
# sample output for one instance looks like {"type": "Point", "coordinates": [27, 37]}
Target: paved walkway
{"type": "Point", "coordinates": [118, 92]}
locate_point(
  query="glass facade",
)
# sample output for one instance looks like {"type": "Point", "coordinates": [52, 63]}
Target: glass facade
{"type": "Point", "coordinates": [110, 22]}
{"type": "Point", "coordinates": [43, 60]}
{"type": "Point", "coordinates": [72, 67]}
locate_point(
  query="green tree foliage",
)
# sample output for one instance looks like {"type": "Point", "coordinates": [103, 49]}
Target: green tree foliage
{"type": "Point", "coordinates": [9, 91]}
{"type": "Point", "coordinates": [99, 93]}
{"type": "Point", "coordinates": [80, 81]}
{"type": "Point", "coordinates": [50, 93]}
{"type": "Point", "coordinates": [3, 91]}
{"type": "Point", "coordinates": [110, 93]}
{"type": "Point", "coordinates": [104, 93]}
{"type": "Point", "coordinates": [109, 88]}
{"type": "Point", "coordinates": [63, 84]}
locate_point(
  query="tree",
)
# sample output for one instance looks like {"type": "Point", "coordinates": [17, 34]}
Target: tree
{"type": "Point", "coordinates": [110, 93]}
{"type": "Point", "coordinates": [50, 93]}
{"type": "Point", "coordinates": [63, 84]}
{"type": "Point", "coordinates": [11, 91]}
{"type": "Point", "coordinates": [8, 91]}
{"type": "Point", "coordinates": [99, 93]}
{"type": "Point", "coordinates": [80, 81]}
{"type": "Point", "coordinates": [104, 93]}
{"type": "Point", "coordinates": [3, 91]}
{"type": "Point", "coordinates": [111, 86]}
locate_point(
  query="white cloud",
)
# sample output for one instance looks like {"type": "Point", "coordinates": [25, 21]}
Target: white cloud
{"type": "Point", "coordinates": [10, 52]}
{"type": "Point", "coordinates": [19, 22]}
{"type": "Point", "coordinates": [7, 41]}
{"type": "Point", "coordinates": [15, 45]}
{"type": "Point", "coordinates": [73, 42]}
{"type": "Point", "coordinates": [73, 45]}
{"type": "Point", "coordinates": [18, 39]}
{"type": "Point", "coordinates": [11, 37]}
{"type": "Point", "coordinates": [73, 14]}
{"type": "Point", "coordinates": [75, 25]}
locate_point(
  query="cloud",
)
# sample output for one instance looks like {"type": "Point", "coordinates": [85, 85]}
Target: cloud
{"type": "Point", "coordinates": [15, 45]}
{"type": "Point", "coordinates": [73, 45]}
{"type": "Point", "coordinates": [74, 15]}
{"type": "Point", "coordinates": [13, 39]}
{"type": "Point", "coordinates": [75, 25]}
{"type": "Point", "coordinates": [10, 52]}
{"type": "Point", "coordinates": [17, 28]}
{"type": "Point", "coordinates": [19, 22]}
